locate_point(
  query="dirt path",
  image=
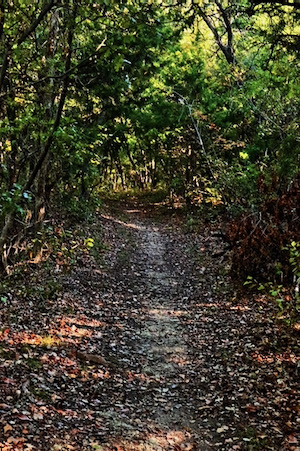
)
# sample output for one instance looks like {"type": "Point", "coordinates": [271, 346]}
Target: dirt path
{"type": "Point", "coordinates": [144, 345]}
{"type": "Point", "coordinates": [164, 422]}
{"type": "Point", "coordinates": [207, 370]}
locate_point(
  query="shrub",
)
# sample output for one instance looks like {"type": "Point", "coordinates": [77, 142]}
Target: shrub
{"type": "Point", "coordinates": [260, 240]}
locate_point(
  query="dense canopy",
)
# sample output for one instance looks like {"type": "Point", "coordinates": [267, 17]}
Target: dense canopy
{"type": "Point", "coordinates": [149, 224]}
{"type": "Point", "coordinates": [199, 99]}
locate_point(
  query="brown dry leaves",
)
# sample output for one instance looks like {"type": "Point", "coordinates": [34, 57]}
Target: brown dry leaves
{"type": "Point", "coordinates": [77, 370]}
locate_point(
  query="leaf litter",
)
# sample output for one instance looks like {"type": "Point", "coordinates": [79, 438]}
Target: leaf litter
{"type": "Point", "coordinates": [147, 345]}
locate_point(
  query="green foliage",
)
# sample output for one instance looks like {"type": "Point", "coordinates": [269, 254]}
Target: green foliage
{"type": "Point", "coordinates": [14, 200]}
{"type": "Point", "coordinates": [34, 364]}
{"type": "Point", "coordinates": [78, 209]}
{"type": "Point", "coordinates": [287, 299]}
{"type": "Point", "coordinates": [294, 258]}
{"type": "Point", "coordinates": [147, 103]}
{"type": "Point", "coordinates": [4, 299]}
{"type": "Point", "coordinates": [253, 440]}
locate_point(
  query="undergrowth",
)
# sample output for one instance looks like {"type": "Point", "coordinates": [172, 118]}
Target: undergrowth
{"type": "Point", "coordinates": [266, 253]}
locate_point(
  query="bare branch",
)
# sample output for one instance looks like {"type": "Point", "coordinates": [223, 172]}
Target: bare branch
{"type": "Point", "coordinates": [227, 24]}
{"type": "Point", "coordinates": [226, 49]}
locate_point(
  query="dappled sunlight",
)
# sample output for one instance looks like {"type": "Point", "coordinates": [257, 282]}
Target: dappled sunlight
{"type": "Point", "coordinates": [178, 351]}
{"type": "Point", "coordinates": [55, 359]}
{"type": "Point", "coordinates": [14, 444]}
{"type": "Point", "coordinates": [173, 437]}
{"type": "Point", "coordinates": [155, 437]}
{"type": "Point", "coordinates": [179, 359]}
{"type": "Point", "coordinates": [221, 305]}
{"type": "Point", "coordinates": [125, 224]}
{"type": "Point", "coordinates": [83, 321]}
{"type": "Point", "coordinates": [240, 308]}
{"type": "Point", "coordinates": [139, 376]}
{"type": "Point", "coordinates": [73, 368]}
{"type": "Point", "coordinates": [208, 305]}
{"type": "Point", "coordinates": [165, 312]}
{"type": "Point", "coordinates": [149, 210]}
{"type": "Point", "coordinates": [72, 331]}
{"type": "Point", "coordinates": [275, 357]}
{"type": "Point", "coordinates": [133, 211]}
{"type": "Point", "coordinates": [68, 330]}
{"type": "Point", "coordinates": [74, 327]}
{"type": "Point", "coordinates": [131, 361]}
{"type": "Point", "coordinates": [167, 352]}
{"type": "Point", "coordinates": [29, 338]}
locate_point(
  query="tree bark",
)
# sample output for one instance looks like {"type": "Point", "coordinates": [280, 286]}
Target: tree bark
{"type": "Point", "coordinates": [40, 164]}
{"type": "Point", "coordinates": [57, 120]}
{"type": "Point", "coordinates": [227, 49]}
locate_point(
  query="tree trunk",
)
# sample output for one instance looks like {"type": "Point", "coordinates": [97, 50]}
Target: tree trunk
{"type": "Point", "coordinates": [40, 168]}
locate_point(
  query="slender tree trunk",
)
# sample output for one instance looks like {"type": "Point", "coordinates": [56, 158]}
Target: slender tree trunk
{"type": "Point", "coordinates": [12, 155]}
{"type": "Point", "coordinates": [41, 164]}
{"type": "Point", "coordinates": [8, 221]}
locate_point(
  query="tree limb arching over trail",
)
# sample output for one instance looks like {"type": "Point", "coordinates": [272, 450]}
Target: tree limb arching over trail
{"type": "Point", "coordinates": [149, 224]}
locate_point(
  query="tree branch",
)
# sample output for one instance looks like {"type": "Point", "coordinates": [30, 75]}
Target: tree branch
{"type": "Point", "coordinates": [55, 126]}
{"type": "Point", "coordinates": [46, 8]}
{"type": "Point", "coordinates": [226, 49]}
{"type": "Point", "coordinates": [227, 24]}
{"type": "Point", "coordinates": [2, 17]}
{"type": "Point", "coordinates": [4, 66]}
{"type": "Point", "coordinates": [294, 4]}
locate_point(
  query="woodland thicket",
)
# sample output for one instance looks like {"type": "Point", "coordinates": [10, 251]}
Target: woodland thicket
{"type": "Point", "coordinates": [197, 99]}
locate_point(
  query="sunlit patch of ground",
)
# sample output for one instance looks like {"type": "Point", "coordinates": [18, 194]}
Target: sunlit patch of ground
{"type": "Point", "coordinates": [129, 225]}
{"type": "Point", "coordinates": [275, 357]}
{"type": "Point", "coordinates": [160, 440]}
{"type": "Point", "coordinates": [187, 367]}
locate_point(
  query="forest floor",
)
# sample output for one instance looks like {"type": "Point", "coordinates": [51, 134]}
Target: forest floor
{"type": "Point", "coordinates": [143, 342]}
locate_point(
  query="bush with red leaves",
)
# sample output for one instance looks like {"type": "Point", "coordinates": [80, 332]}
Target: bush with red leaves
{"type": "Point", "coordinates": [258, 240]}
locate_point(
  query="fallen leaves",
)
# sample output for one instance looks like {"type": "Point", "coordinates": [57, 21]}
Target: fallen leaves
{"type": "Point", "coordinates": [8, 381]}
{"type": "Point", "coordinates": [7, 428]}
{"type": "Point", "coordinates": [23, 417]}
{"type": "Point", "coordinates": [150, 343]}
{"type": "Point", "coordinates": [222, 429]}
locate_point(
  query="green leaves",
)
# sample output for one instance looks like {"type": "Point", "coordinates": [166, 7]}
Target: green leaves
{"type": "Point", "coordinates": [121, 122]}
{"type": "Point", "coordinates": [13, 200]}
